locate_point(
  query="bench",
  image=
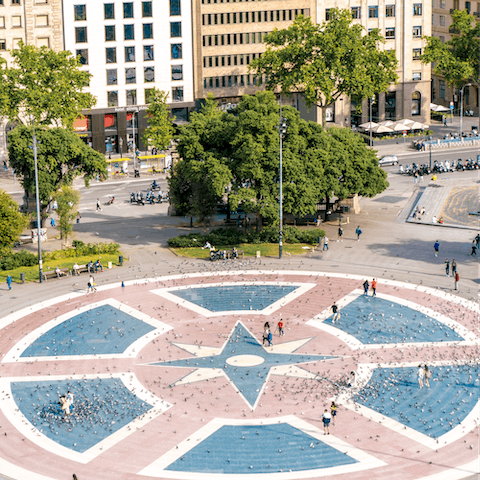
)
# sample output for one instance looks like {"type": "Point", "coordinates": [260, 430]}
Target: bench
{"type": "Point", "coordinates": [230, 253]}
{"type": "Point", "coordinates": [80, 269]}
{"type": "Point", "coordinates": [53, 274]}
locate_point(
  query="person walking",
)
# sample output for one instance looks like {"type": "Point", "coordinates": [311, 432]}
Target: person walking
{"type": "Point", "coordinates": [420, 375]}
{"type": "Point", "coordinates": [325, 242]}
{"type": "Point", "coordinates": [365, 287]}
{"type": "Point", "coordinates": [447, 267]}
{"type": "Point", "coordinates": [474, 249]}
{"type": "Point", "coordinates": [340, 234]}
{"type": "Point", "coordinates": [326, 417]}
{"type": "Point", "coordinates": [281, 332]}
{"type": "Point", "coordinates": [374, 288]}
{"type": "Point", "coordinates": [333, 412]}
{"type": "Point", "coordinates": [454, 267]}
{"type": "Point", "coordinates": [436, 246]}
{"type": "Point", "coordinates": [358, 231]}
{"type": "Point", "coordinates": [99, 208]}
{"type": "Point", "coordinates": [9, 282]}
{"type": "Point", "coordinates": [336, 312]}
{"type": "Point", "coordinates": [427, 376]}
{"type": "Point", "coordinates": [457, 278]}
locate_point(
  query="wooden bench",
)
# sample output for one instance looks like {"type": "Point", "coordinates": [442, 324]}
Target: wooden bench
{"type": "Point", "coordinates": [53, 274]}
{"type": "Point", "coordinates": [80, 269]}
{"type": "Point", "coordinates": [230, 253]}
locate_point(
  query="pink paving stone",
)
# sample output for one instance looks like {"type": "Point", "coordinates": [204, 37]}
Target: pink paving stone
{"type": "Point", "coordinates": [196, 404]}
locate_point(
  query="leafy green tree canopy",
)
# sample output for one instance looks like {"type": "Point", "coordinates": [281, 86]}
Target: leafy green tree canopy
{"type": "Point", "coordinates": [237, 154]}
{"type": "Point", "coordinates": [326, 61]}
{"type": "Point", "coordinates": [457, 59]}
{"type": "Point", "coordinates": [43, 86]}
{"type": "Point", "coordinates": [160, 128]}
{"type": "Point", "coordinates": [67, 200]}
{"type": "Point", "coordinates": [62, 156]}
{"type": "Point", "coordinates": [12, 223]}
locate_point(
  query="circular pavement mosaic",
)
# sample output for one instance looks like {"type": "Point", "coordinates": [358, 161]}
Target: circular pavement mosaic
{"type": "Point", "coordinates": [177, 378]}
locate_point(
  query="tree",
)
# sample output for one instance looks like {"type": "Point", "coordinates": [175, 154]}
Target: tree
{"type": "Point", "coordinates": [160, 129]}
{"type": "Point", "coordinates": [67, 199]}
{"type": "Point", "coordinates": [43, 87]}
{"type": "Point", "coordinates": [238, 154]}
{"type": "Point", "coordinates": [456, 60]}
{"type": "Point", "coordinates": [326, 61]}
{"type": "Point", "coordinates": [61, 155]}
{"type": "Point", "coordinates": [12, 223]}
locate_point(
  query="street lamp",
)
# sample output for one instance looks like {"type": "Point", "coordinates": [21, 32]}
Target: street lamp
{"type": "Point", "coordinates": [430, 145]}
{"type": "Point", "coordinates": [461, 107]}
{"type": "Point", "coordinates": [282, 130]}
{"type": "Point", "coordinates": [134, 111]}
{"type": "Point", "coordinates": [371, 101]}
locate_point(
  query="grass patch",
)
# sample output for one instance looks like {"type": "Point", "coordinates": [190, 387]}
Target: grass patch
{"type": "Point", "coordinates": [250, 249]}
{"type": "Point", "coordinates": [31, 273]}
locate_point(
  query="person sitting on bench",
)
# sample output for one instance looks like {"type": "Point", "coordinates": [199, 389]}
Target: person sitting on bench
{"type": "Point", "coordinates": [58, 272]}
{"type": "Point", "coordinates": [234, 252]}
{"type": "Point", "coordinates": [98, 266]}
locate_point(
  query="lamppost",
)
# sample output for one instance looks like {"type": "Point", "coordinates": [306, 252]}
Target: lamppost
{"type": "Point", "coordinates": [37, 199]}
{"type": "Point", "coordinates": [282, 130]}
{"type": "Point", "coordinates": [461, 107]}
{"type": "Point", "coordinates": [135, 110]}
{"type": "Point", "coordinates": [371, 101]}
{"type": "Point", "coordinates": [430, 145]}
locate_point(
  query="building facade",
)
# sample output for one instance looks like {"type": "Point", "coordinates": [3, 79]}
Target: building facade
{"type": "Point", "coordinates": [443, 93]}
{"type": "Point", "coordinates": [130, 47]}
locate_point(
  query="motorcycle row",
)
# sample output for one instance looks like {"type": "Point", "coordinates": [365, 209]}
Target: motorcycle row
{"type": "Point", "coordinates": [150, 198]}
{"type": "Point", "coordinates": [441, 167]}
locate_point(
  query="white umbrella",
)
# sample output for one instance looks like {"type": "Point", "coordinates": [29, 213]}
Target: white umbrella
{"type": "Point", "coordinates": [382, 129]}
{"type": "Point", "coordinates": [418, 126]}
{"type": "Point", "coordinates": [368, 125]}
{"type": "Point", "coordinates": [398, 127]}
{"type": "Point", "coordinates": [438, 108]}
{"type": "Point", "coordinates": [406, 121]}
{"type": "Point", "coordinates": [387, 123]}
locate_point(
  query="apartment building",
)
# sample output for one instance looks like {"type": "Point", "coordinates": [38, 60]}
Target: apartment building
{"type": "Point", "coordinates": [130, 47]}
{"type": "Point", "coordinates": [442, 93]}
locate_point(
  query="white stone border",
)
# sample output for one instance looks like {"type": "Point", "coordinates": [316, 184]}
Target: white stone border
{"type": "Point", "coordinates": [302, 288]}
{"type": "Point", "coordinates": [26, 428]}
{"type": "Point", "coordinates": [14, 354]}
{"type": "Point", "coordinates": [355, 344]}
{"type": "Point", "coordinates": [365, 461]}
{"type": "Point", "coordinates": [363, 375]}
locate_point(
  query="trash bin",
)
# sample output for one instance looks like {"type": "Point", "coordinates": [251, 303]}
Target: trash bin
{"type": "Point", "coordinates": [22, 277]}
{"type": "Point", "coordinates": [258, 253]}
{"type": "Point", "coordinates": [109, 264]}
{"type": "Point", "coordinates": [120, 260]}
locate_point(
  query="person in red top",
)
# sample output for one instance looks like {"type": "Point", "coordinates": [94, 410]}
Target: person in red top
{"type": "Point", "coordinates": [374, 288]}
{"type": "Point", "coordinates": [280, 328]}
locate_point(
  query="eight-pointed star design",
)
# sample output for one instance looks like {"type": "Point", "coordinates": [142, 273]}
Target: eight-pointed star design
{"type": "Point", "coordinates": [245, 362]}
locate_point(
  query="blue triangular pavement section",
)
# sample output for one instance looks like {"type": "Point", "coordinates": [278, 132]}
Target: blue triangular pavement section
{"type": "Point", "coordinates": [234, 297]}
{"type": "Point", "coordinates": [101, 407]}
{"type": "Point", "coordinates": [394, 392]}
{"type": "Point", "coordinates": [100, 331]}
{"type": "Point", "coordinates": [250, 449]}
{"type": "Point", "coordinates": [373, 320]}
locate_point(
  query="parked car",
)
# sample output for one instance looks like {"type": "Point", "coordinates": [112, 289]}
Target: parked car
{"type": "Point", "coordinates": [388, 160]}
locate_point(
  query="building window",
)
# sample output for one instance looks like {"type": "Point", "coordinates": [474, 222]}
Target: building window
{"type": "Point", "coordinates": [3, 45]}
{"type": "Point", "coordinates": [390, 33]}
{"type": "Point", "coordinates": [175, 8]}
{"type": "Point", "coordinates": [442, 88]}
{"type": "Point", "coordinates": [417, 32]}
{"type": "Point", "coordinates": [356, 12]}
{"type": "Point", "coordinates": [177, 72]}
{"type": "Point", "coordinates": [112, 78]}
{"type": "Point", "coordinates": [417, 9]}
{"type": "Point", "coordinates": [131, 97]}
{"type": "Point", "coordinates": [43, 42]}
{"type": "Point", "coordinates": [111, 55]}
{"type": "Point", "coordinates": [442, 20]}
{"type": "Point", "coordinates": [468, 7]}
{"type": "Point", "coordinates": [417, 53]}
{"type": "Point", "coordinates": [456, 4]}
{"type": "Point", "coordinates": [80, 34]}
{"type": "Point", "coordinates": [373, 11]}
{"type": "Point", "coordinates": [175, 29]}
{"type": "Point", "coordinates": [327, 14]}
{"type": "Point", "coordinates": [416, 103]}
{"type": "Point", "coordinates": [82, 55]}
{"type": "Point", "coordinates": [109, 33]}
{"type": "Point", "coordinates": [129, 54]}
{"type": "Point", "coordinates": [177, 94]}
{"type": "Point", "coordinates": [2, 22]}
{"type": "Point", "coordinates": [390, 106]}
{"type": "Point", "coordinates": [442, 39]}
{"type": "Point", "coordinates": [147, 31]}
{"type": "Point", "coordinates": [128, 32]}
{"type": "Point", "coordinates": [130, 75]}
{"type": "Point", "coordinates": [148, 53]}
{"type": "Point", "coordinates": [442, 4]}
{"type": "Point", "coordinates": [149, 95]}
{"type": "Point", "coordinates": [15, 2]}
{"type": "Point", "coordinates": [112, 98]}
{"type": "Point", "coordinates": [176, 51]}
{"type": "Point", "coordinates": [416, 76]}
{"type": "Point", "coordinates": [17, 21]}
{"type": "Point", "coordinates": [109, 11]}
{"type": "Point", "coordinates": [128, 10]}
{"type": "Point", "coordinates": [80, 12]}
{"type": "Point", "coordinates": [149, 74]}
{"type": "Point", "coordinates": [41, 20]}
{"type": "Point", "coordinates": [390, 10]}
{"type": "Point", "coordinates": [147, 9]}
